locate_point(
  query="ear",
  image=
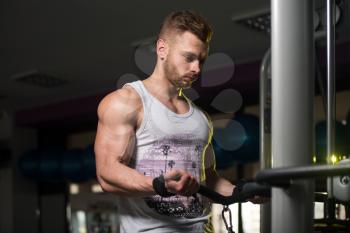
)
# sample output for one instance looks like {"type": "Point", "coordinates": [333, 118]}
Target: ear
{"type": "Point", "coordinates": [162, 49]}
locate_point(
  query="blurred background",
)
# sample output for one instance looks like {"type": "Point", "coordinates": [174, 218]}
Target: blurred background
{"type": "Point", "coordinates": [60, 58]}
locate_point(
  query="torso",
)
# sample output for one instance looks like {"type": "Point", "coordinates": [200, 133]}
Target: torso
{"type": "Point", "coordinates": [166, 140]}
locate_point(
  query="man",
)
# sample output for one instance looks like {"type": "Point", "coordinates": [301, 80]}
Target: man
{"type": "Point", "coordinates": [148, 129]}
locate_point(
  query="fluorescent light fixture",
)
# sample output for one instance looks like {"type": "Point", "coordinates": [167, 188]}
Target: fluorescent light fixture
{"type": "Point", "coordinates": [36, 78]}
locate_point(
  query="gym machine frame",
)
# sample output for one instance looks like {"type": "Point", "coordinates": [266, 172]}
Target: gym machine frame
{"type": "Point", "coordinates": [292, 113]}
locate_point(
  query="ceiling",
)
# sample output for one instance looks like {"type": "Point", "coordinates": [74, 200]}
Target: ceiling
{"type": "Point", "coordinates": [91, 44]}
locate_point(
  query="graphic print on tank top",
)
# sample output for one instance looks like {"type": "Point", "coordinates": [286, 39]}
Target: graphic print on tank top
{"type": "Point", "coordinates": [174, 152]}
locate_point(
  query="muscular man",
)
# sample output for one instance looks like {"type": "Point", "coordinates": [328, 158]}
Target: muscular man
{"type": "Point", "coordinates": [149, 128]}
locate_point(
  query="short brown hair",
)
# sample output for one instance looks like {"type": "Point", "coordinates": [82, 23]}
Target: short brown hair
{"type": "Point", "coordinates": [187, 20]}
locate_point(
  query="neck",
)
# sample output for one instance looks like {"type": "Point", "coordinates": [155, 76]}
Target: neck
{"type": "Point", "coordinates": [161, 86]}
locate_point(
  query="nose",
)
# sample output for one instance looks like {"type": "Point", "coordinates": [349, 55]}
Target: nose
{"type": "Point", "coordinates": [195, 68]}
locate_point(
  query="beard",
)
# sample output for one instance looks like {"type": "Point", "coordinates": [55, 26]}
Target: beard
{"type": "Point", "coordinates": [178, 80]}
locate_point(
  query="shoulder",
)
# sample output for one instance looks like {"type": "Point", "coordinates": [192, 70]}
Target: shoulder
{"type": "Point", "coordinates": [124, 102]}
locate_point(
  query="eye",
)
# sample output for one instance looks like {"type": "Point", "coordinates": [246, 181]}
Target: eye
{"type": "Point", "coordinates": [189, 58]}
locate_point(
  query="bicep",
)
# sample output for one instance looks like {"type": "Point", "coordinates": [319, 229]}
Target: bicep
{"type": "Point", "coordinates": [115, 137]}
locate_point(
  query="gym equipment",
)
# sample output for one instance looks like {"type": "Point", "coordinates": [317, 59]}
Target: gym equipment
{"type": "Point", "coordinates": [89, 162]}
{"type": "Point", "coordinates": [341, 146]}
{"type": "Point", "coordinates": [72, 166]}
{"type": "Point", "coordinates": [282, 178]}
{"type": "Point", "coordinates": [292, 104]}
{"type": "Point", "coordinates": [41, 165]}
{"type": "Point", "coordinates": [57, 165]}
{"type": "Point", "coordinates": [341, 185]}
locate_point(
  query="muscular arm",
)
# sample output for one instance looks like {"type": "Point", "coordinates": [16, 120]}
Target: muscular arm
{"type": "Point", "coordinates": [219, 184]}
{"type": "Point", "coordinates": [114, 145]}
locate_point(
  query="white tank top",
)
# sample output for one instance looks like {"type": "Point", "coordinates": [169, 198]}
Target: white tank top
{"type": "Point", "coordinates": [166, 140]}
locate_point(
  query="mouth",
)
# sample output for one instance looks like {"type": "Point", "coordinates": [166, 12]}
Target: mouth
{"type": "Point", "coordinates": [190, 78]}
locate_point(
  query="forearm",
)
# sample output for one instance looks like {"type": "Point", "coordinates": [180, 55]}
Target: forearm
{"type": "Point", "coordinates": [124, 181]}
{"type": "Point", "coordinates": [218, 184]}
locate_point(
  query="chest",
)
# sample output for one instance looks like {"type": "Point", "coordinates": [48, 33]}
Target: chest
{"type": "Point", "coordinates": [162, 122]}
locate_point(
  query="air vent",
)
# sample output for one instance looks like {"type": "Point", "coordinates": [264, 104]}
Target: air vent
{"type": "Point", "coordinates": [40, 79]}
{"type": "Point", "coordinates": [261, 20]}
{"type": "Point", "coordinates": [258, 21]}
